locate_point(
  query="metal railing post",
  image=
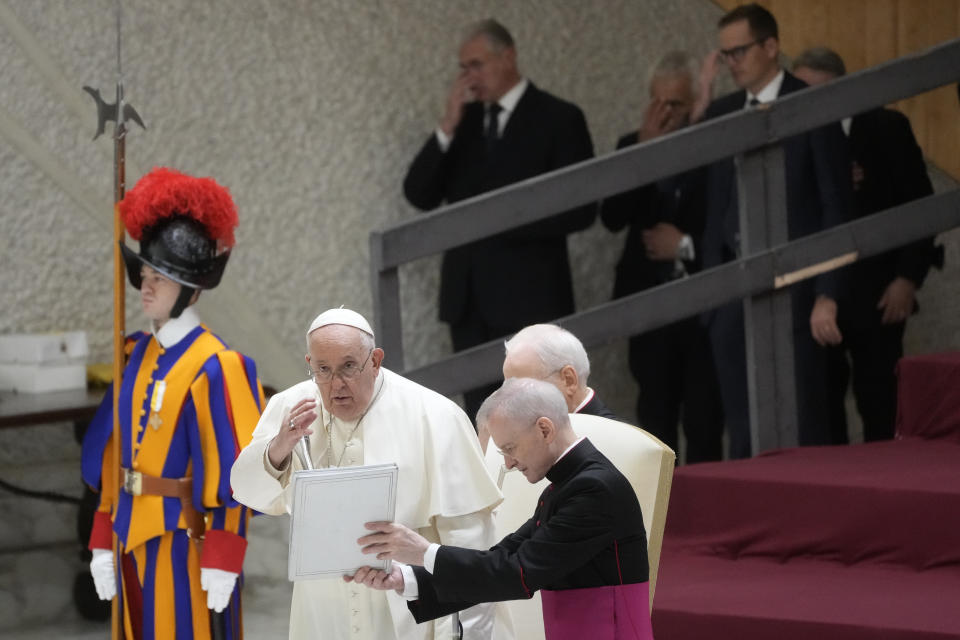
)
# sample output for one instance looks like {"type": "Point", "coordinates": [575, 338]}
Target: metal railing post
{"type": "Point", "coordinates": [385, 285]}
{"type": "Point", "coordinates": [768, 317]}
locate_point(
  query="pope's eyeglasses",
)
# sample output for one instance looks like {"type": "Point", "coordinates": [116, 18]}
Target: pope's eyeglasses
{"type": "Point", "coordinates": [347, 371]}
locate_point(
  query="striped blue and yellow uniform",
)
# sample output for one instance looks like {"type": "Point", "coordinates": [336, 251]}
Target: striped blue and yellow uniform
{"type": "Point", "coordinates": [184, 411]}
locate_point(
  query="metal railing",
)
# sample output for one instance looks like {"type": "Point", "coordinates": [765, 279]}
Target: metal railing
{"type": "Point", "coordinates": [769, 263]}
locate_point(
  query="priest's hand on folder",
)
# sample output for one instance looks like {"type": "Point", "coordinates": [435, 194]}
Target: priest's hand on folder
{"type": "Point", "coordinates": [394, 541]}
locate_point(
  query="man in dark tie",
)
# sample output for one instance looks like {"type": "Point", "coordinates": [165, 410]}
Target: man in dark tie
{"type": "Point", "coordinates": [499, 128]}
{"type": "Point", "coordinates": [887, 169]}
{"type": "Point", "coordinates": [818, 194]}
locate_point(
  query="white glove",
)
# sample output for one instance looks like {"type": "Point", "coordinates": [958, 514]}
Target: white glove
{"type": "Point", "coordinates": [219, 586]}
{"type": "Point", "coordinates": [104, 573]}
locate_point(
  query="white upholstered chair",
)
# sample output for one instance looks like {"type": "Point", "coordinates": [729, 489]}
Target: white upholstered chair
{"type": "Point", "coordinates": [645, 461]}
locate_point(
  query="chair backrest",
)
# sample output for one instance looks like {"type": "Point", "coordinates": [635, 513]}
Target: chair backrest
{"type": "Point", "coordinates": [645, 461]}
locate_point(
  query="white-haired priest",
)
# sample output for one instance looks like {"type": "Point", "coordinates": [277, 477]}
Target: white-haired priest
{"type": "Point", "coordinates": [584, 547]}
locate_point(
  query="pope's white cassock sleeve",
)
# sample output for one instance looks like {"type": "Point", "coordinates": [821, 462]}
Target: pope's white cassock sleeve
{"type": "Point", "coordinates": [443, 492]}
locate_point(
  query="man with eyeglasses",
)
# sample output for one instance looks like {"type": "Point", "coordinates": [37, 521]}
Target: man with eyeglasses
{"type": "Point", "coordinates": [353, 411]}
{"type": "Point", "coordinates": [550, 352]}
{"type": "Point", "coordinates": [818, 197]}
{"type": "Point", "coordinates": [499, 128]}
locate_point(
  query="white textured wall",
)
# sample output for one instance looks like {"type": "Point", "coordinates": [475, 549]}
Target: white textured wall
{"type": "Point", "coordinates": [309, 111]}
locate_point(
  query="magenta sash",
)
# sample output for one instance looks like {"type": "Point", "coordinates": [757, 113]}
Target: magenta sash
{"type": "Point", "coordinates": [620, 612]}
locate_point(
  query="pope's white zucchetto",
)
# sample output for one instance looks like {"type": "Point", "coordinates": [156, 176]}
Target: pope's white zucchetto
{"type": "Point", "coordinates": [340, 316]}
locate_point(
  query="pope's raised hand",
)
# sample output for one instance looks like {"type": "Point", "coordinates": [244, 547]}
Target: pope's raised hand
{"type": "Point", "coordinates": [295, 425]}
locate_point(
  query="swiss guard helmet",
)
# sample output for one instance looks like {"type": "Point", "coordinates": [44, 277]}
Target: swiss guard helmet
{"type": "Point", "coordinates": [185, 228]}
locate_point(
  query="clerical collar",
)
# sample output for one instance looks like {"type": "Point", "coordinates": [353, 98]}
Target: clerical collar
{"type": "Point", "coordinates": [770, 92]}
{"type": "Point", "coordinates": [567, 450]}
{"type": "Point", "coordinates": [570, 460]}
{"type": "Point", "coordinates": [176, 329]}
{"type": "Point", "coordinates": [586, 401]}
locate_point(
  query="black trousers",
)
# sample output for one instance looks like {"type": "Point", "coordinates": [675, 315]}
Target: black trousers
{"type": "Point", "coordinates": [727, 341]}
{"type": "Point", "coordinates": [674, 368]}
{"type": "Point", "coordinates": [874, 349]}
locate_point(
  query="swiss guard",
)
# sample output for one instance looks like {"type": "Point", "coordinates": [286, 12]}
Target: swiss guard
{"type": "Point", "coordinates": [187, 406]}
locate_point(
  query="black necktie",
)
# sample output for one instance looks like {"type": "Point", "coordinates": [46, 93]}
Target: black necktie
{"type": "Point", "coordinates": [493, 125]}
{"type": "Point", "coordinates": [753, 102]}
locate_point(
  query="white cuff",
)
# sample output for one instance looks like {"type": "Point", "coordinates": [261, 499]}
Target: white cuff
{"type": "Point", "coordinates": [411, 591]}
{"type": "Point", "coordinates": [443, 140]}
{"type": "Point", "coordinates": [274, 472]}
{"type": "Point", "coordinates": [430, 557]}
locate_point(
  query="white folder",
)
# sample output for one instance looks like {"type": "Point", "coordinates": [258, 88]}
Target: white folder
{"type": "Point", "coordinates": [330, 507]}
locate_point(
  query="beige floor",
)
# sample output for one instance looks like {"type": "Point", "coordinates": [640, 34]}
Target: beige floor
{"type": "Point", "coordinates": [266, 612]}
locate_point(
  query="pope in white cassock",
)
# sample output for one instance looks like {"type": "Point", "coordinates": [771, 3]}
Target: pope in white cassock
{"type": "Point", "coordinates": [356, 412]}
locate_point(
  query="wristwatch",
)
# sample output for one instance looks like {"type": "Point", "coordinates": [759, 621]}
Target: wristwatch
{"type": "Point", "coordinates": [685, 248]}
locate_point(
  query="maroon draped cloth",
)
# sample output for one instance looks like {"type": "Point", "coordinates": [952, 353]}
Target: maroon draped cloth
{"type": "Point", "coordinates": [928, 397]}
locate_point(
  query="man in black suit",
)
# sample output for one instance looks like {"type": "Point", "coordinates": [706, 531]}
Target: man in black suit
{"type": "Point", "coordinates": [673, 364]}
{"type": "Point", "coordinates": [818, 197]}
{"type": "Point", "coordinates": [499, 129]}
{"type": "Point", "coordinates": [585, 546]}
{"type": "Point", "coordinates": [887, 170]}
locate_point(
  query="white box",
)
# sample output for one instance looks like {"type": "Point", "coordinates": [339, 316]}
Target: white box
{"type": "Point", "coordinates": [68, 347]}
{"type": "Point", "coordinates": [39, 378]}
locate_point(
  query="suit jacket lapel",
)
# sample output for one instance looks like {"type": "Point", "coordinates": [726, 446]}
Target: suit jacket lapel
{"type": "Point", "coordinates": [790, 84]}
{"type": "Point", "coordinates": [522, 113]}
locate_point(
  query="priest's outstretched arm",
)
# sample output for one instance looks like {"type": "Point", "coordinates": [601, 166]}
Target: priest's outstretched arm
{"type": "Point", "coordinates": [525, 561]}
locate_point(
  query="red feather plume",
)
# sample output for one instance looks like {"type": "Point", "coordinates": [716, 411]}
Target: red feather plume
{"type": "Point", "coordinates": [164, 192]}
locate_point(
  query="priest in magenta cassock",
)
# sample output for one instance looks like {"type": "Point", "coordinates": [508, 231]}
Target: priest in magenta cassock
{"type": "Point", "coordinates": [585, 547]}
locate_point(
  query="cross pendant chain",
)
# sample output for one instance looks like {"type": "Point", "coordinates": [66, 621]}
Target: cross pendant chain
{"type": "Point", "coordinates": [346, 443]}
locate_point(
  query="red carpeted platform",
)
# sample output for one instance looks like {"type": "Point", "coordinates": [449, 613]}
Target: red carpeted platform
{"type": "Point", "coordinates": [928, 396]}
{"type": "Point", "coordinates": [705, 597]}
{"type": "Point", "coordinates": [844, 543]}
{"type": "Point", "coordinates": [895, 502]}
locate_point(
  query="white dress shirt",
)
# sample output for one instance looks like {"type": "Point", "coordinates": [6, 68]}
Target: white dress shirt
{"type": "Point", "coordinates": [508, 103]}
{"type": "Point", "coordinates": [769, 93]}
